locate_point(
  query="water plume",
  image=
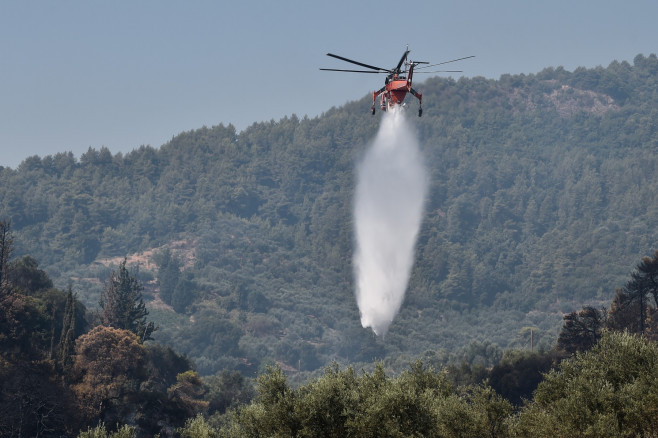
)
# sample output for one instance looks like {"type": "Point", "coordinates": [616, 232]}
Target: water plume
{"type": "Point", "coordinates": [388, 208]}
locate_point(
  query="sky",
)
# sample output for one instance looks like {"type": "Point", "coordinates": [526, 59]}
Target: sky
{"type": "Point", "coordinates": [78, 74]}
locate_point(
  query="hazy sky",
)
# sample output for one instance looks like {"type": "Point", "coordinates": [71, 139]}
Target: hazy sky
{"type": "Point", "coordinates": [80, 74]}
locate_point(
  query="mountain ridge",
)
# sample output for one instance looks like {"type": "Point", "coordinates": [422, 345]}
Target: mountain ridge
{"type": "Point", "coordinates": [541, 200]}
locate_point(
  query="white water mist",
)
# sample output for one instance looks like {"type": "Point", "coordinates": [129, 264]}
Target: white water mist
{"type": "Point", "coordinates": [388, 208]}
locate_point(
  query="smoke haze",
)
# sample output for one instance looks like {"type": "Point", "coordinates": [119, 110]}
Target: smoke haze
{"type": "Point", "coordinates": [388, 208]}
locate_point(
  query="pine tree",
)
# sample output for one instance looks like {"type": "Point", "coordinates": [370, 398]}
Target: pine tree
{"type": "Point", "coordinates": [168, 275]}
{"type": "Point", "coordinates": [581, 330]}
{"type": "Point", "coordinates": [66, 346]}
{"type": "Point", "coordinates": [122, 305]}
{"type": "Point", "coordinates": [631, 307]}
{"type": "Point", "coordinates": [6, 247]}
{"type": "Point", "coordinates": [647, 270]}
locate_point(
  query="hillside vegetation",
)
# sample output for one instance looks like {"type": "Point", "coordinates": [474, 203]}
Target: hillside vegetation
{"type": "Point", "coordinates": [542, 198]}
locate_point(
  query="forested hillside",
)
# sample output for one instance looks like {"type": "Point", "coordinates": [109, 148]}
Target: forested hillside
{"type": "Point", "coordinates": [542, 198]}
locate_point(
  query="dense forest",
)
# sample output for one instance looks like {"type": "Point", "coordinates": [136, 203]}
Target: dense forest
{"type": "Point", "coordinates": [65, 371]}
{"type": "Point", "coordinates": [542, 199]}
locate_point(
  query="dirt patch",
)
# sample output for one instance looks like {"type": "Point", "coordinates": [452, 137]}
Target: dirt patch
{"type": "Point", "coordinates": [566, 100]}
{"type": "Point", "coordinates": [184, 249]}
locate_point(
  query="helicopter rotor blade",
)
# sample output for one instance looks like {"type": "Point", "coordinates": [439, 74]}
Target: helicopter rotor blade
{"type": "Point", "coordinates": [352, 71]}
{"type": "Point", "coordinates": [404, 57]}
{"type": "Point", "coordinates": [359, 63]}
{"type": "Point", "coordinates": [446, 62]}
{"type": "Point", "coordinates": [439, 71]}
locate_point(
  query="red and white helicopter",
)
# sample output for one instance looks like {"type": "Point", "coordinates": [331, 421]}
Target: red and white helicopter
{"type": "Point", "coordinates": [398, 80]}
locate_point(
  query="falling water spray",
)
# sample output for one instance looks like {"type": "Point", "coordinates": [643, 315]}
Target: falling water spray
{"type": "Point", "coordinates": [388, 208]}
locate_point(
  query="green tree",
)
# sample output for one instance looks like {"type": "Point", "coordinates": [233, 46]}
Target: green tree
{"type": "Point", "coordinates": [101, 431]}
{"type": "Point", "coordinates": [25, 275]}
{"type": "Point", "coordinates": [518, 374]}
{"type": "Point", "coordinates": [122, 305]}
{"type": "Point", "coordinates": [649, 269]}
{"type": "Point", "coordinates": [581, 330]}
{"type": "Point", "coordinates": [164, 364]}
{"type": "Point", "coordinates": [227, 389]}
{"type": "Point", "coordinates": [66, 346]}
{"type": "Point", "coordinates": [273, 411]}
{"type": "Point", "coordinates": [419, 402]}
{"type": "Point", "coordinates": [109, 364]}
{"type": "Point", "coordinates": [168, 274]}
{"type": "Point", "coordinates": [198, 427]}
{"type": "Point", "coordinates": [632, 308]}
{"type": "Point", "coordinates": [608, 391]}
{"type": "Point", "coordinates": [188, 392]}
{"type": "Point", "coordinates": [626, 312]}
{"type": "Point", "coordinates": [183, 292]}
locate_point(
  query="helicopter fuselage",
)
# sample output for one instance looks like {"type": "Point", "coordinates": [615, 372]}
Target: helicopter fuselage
{"type": "Point", "coordinates": [395, 90]}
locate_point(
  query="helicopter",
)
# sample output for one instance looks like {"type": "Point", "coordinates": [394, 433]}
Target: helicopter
{"type": "Point", "coordinates": [398, 80]}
